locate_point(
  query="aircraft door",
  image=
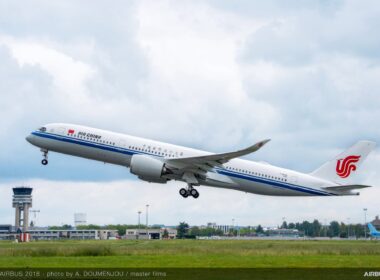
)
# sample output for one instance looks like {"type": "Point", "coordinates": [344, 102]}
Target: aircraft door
{"type": "Point", "coordinates": [61, 131]}
{"type": "Point", "coordinates": [122, 143]}
{"type": "Point", "coordinates": [293, 180]}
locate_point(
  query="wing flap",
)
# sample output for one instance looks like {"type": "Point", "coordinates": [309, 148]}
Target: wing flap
{"type": "Point", "coordinates": [201, 165]}
{"type": "Point", "coordinates": [346, 187]}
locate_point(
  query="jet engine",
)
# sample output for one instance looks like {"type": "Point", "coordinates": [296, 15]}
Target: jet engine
{"type": "Point", "coordinates": [149, 169]}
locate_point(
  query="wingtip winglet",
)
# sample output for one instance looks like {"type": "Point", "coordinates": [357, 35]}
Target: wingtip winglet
{"type": "Point", "coordinates": [262, 143]}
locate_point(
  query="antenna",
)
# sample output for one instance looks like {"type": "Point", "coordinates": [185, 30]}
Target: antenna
{"type": "Point", "coordinates": [35, 216]}
{"type": "Point", "coordinates": [35, 212]}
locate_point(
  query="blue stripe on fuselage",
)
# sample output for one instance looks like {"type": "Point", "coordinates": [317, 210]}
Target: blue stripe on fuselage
{"type": "Point", "coordinates": [85, 143]}
{"type": "Point", "coordinates": [220, 171]}
{"type": "Point", "coordinates": [273, 183]}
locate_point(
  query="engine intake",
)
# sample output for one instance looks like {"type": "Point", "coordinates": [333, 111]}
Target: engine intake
{"type": "Point", "coordinates": [148, 168]}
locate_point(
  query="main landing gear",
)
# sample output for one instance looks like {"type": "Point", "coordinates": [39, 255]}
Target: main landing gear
{"type": "Point", "coordinates": [45, 155]}
{"type": "Point", "coordinates": [189, 191]}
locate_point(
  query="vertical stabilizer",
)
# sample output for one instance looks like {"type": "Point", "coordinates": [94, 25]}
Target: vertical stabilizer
{"type": "Point", "coordinates": [345, 165]}
{"type": "Point", "coordinates": [372, 229]}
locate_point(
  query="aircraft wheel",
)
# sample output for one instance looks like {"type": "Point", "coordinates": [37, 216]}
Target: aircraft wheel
{"type": "Point", "coordinates": [44, 162]}
{"type": "Point", "coordinates": [183, 192]}
{"type": "Point", "coordinates": [194, 193]}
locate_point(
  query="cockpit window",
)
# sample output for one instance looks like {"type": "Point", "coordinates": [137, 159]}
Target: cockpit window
{"type": "Point", "coordinates": [43, 129]}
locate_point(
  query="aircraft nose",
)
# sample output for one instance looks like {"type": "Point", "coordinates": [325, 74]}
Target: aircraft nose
{"type": "Point", "coordinates": [29, 138]}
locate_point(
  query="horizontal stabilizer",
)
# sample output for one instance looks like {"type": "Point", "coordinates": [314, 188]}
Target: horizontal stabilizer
{"type": "Point", "coordinates": [346, 187]}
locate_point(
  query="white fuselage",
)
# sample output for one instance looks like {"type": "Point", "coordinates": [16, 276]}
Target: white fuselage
{"type": "Point", "coordinates": [116, 148]}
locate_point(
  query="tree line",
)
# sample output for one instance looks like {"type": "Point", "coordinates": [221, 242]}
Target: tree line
{"type": "Point", "coordinates": [333, 229]}
{"type": "Point", "coordinates": [305, 228]}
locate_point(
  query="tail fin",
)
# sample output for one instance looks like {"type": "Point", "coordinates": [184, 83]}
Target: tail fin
{"type": "Point", "coordinates": [345, 164]}
{"type": "Point", "coordinates": [372, 229]}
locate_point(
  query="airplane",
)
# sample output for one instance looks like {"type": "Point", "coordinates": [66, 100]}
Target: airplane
{"type": "Point", "coordinates": [373, 231]}
{"type": "Point", "coordinates": [159, 162]}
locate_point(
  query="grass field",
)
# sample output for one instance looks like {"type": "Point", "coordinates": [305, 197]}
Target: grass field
{"type": "Point", "coordinates": [191, 253]}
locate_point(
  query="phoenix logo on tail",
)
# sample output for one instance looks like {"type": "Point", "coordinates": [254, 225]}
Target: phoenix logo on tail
{"type": "Point", "coordinates": [346, 165]}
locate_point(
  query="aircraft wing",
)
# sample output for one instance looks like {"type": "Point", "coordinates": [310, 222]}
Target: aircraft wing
{"type": "Point", "coordinates": [208, 161]}
{"type": "Point", "coordinates": [346, 187]}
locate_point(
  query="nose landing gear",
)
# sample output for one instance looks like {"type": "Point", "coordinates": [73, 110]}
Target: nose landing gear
{"type": "Point", "coordinates": [189, 191]}
{"type": "Point", "coordinates": [45, 155]}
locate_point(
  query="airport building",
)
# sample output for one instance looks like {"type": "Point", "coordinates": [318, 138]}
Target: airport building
{"type": "Point", "coordinates": [22, 202]}
{"type": "Point", "coordinates": [23, 231]}
{"type": "Point", "coordinates": [7, 233]}
{"type": "Point", "coordinates": [150, 233]}
{"type": "Point", "coordinates": [40, 234]}
{"type": "Point", "coordinates": [283, 232]}
{"type": "Point", "coordinates": [224, 228]}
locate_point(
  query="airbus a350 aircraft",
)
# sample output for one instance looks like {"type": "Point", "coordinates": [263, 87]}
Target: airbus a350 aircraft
{"type": "Point", "coordinates": [159, 162]}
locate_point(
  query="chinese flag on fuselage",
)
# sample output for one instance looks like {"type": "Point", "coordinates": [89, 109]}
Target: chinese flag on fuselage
{"type": "Point", "coordinates": [71, 131]}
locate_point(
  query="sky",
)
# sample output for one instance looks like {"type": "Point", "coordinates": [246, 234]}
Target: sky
{"type": "Point", "coordinates": [212, 75]}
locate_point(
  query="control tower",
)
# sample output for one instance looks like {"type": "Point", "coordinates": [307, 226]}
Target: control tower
{"type": "Point", "coordinates": [22, 201]}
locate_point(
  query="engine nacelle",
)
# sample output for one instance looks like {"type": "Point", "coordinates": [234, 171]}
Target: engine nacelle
{"type": "Point", "coordinates": [148, 168]}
